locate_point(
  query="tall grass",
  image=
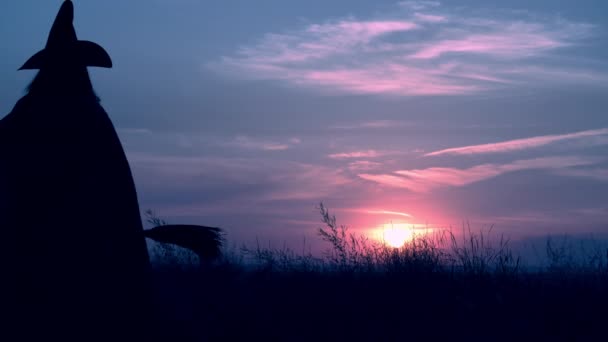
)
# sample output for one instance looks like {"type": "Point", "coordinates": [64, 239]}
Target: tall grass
{"type": "Point", "coordinates": [439, 285]}
{"type": "Point", "coordinates": [470, 253]}
{"type": "Point", "coordinates": [426, 252]}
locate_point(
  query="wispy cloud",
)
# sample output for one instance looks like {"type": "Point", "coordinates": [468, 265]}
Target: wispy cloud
{"type": "Point", "coordinates": [513, 42]}
{"type": "Point", "coordinates": [460, 54]}
{"type": "Point", "coordinates": [519, 144]}
{"type": "Point", "coordinates": [250, 143]}
{"type": "Point", "coordinates": [373, 210]}
{"type": "Point", "coordinates": [424, 180]}
{"type": "Point", "coordinates": [359, 154]}
{"type": "Point", "coordinates": [364, 165]}
{"type": "Point", "coordinates": [418, 5]}
{"type": "Point", "coordinates": [373, 124]}
{"type": "Point", "coordinates": [388, 212]}
{"type": "Point", "coordinates": [430, 17]}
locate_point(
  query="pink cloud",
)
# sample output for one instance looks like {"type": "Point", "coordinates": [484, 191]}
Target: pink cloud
{"type": "Point", "coordinates": [519, 144]}
{"type": "Point", "coordinates": [387, 79]}
{"type": "Point", "coordinates": [424, 180]}
{"type": "Point", "coordinates": [502, 44]}
{"type": "Point", "coordinates": [352, 55]}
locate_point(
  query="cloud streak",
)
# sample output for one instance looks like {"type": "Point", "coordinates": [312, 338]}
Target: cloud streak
{"type": "Point", "coordinates": [518, 144]}
{"type": "Point", "coordinates": [513, 42]}
{"type": "Point", "coordinates": [418, 5]}
{"type": "Point", "coordinates": [388, 212]}
{"type": "Point", "coordinates": [377, 124]}
{"type": "Point", "coordinates": [459, 54]}
{"type": "Point", "coordinates": [424, 180]}
{"type": "Point", "coordinates": [358, 154]}
{"type": "Point", "coordinates": [364, 165]}
{"type": "Point", "coordinates": [249, 143]}
{"type": "Point", "coordinates": [430, 17]}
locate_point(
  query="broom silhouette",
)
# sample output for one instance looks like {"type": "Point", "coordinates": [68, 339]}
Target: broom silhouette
{"type": "Point", "coordinates": [205, 242]}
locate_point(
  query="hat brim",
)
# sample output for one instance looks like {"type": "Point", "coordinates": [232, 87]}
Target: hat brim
{"type": "Point", "coordinates": [87, 53]}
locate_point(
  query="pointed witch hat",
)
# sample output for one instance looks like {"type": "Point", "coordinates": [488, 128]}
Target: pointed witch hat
{"type": "Point", "coordinates": [63, 45]}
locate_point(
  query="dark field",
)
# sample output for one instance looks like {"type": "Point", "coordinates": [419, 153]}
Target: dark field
{"type": "Point", "coordinates": [434, 288]}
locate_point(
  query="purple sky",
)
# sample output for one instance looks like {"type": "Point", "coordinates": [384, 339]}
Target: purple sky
{"type": "Point", "coordinates": [245, 115]}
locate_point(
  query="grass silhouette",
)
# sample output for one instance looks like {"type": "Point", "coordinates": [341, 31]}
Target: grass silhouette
{"type": "Point", "coordinates": [437, 286]}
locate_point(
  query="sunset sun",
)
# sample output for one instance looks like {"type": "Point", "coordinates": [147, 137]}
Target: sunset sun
{"type": "Point", "coordinates": [397, 235]}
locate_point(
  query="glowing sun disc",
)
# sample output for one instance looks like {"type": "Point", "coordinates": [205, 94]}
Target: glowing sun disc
{"type": "Point", "coordinates": [397, 237]}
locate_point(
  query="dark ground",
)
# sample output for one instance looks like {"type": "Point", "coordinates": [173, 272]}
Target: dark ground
{"type": "Point", "coordinates": [226, 303]}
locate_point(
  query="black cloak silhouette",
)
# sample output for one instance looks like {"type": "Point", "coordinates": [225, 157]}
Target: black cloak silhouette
{"type": "Point", "coordinates": [74, 258]}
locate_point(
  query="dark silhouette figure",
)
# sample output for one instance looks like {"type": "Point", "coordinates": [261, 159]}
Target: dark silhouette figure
{"type": "Point", "coordinates": [205, 242]}
{"type": "Point", "coordinates": [74, 258]}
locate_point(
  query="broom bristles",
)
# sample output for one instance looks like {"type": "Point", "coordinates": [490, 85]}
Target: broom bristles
{"type": "Point", "coordinates": [206, 242]}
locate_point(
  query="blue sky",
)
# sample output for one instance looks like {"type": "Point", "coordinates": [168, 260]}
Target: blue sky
{"type": "Point", "coordinates": [245, 114]}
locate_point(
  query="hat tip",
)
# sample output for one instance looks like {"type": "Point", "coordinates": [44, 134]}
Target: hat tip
{"type": "Point", "coordinates": [67, 8]}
